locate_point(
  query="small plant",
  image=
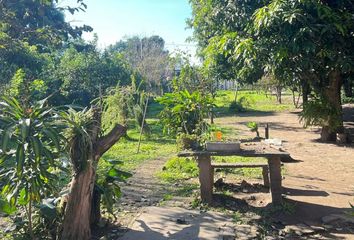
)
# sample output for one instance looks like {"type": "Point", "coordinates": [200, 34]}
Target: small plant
{"type": "Point", "coordinates": [253, 126]}
{"type": "Point", "coordinates": [107, 185]}
{"type": "Point", "coordinates": [184, 112]}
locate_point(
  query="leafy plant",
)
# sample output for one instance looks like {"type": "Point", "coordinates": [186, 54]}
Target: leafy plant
{"type": "Point", "coordinates": [79, 139]}
{"type": "Point", "coordinates": [108, 181]}
{"type": "Point", "coordinates": [319, 112]}
{"type": "Point", "coordinates": [31, 151]}
{"type": "Point", "coordinates": [184, 112]}
{"type": "Point", "coordinates": [253, 126]}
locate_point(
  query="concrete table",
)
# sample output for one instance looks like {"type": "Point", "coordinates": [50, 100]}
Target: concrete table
{"type": "Point", "coordinates": [206, 171]}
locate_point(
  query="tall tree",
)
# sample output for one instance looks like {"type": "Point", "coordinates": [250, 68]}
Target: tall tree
{"type": "Point", "coordinates": [148, 57]}
{"type": "Point", "coordinates": [312, 40]}
{"type": "Point", "coordinates": [29, 28]}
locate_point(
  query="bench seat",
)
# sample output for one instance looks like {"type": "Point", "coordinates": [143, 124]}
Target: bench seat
{"type": "Point", "coordinates": [264, 166]}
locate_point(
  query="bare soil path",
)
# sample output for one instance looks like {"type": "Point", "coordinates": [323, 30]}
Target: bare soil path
{"type": "Point", "coordinates": [322, 182]}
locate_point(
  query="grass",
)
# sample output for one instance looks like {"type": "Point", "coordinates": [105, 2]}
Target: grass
{"type": "Point", "coordinates": [152, 147]}
{"type": "Point", "coordinates": [255, 173]}
{"type": "Point", "coordinates": [177, 169]}
{"type": "Point", "coordinates": [256, 101]}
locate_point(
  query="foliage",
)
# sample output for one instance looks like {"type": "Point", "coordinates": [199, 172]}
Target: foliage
{"type": "Point", "coordinates": [118, 106]}
{"type": "Point", "coordinates": [318, 112]}
{"type": "Point", "coordinates": [31, 29]}
{"type": "Point", "coordinates": [253, 126]}
{"type": "Point", "coordinates": [188, 141]}
{"type": "Point", "coordinates": [241, 105]}
{"type": "Point", "coordinates": [31, 150]}
{"type": "Point", "coordinates": [78, 136]}
{"type": "Point", "coordinates": [184, 112]}
{"type": "Point", "coordinates": [149, 58]}
{"type": "Point", "coordinates": [107, 183]}
{"type": "Point", "coordinates": [179, 169]}
{"type": "Point", "coordinates": [83, 75]}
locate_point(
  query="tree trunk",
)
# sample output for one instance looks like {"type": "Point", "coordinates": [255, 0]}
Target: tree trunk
{"type": "Point", "coordinates": [332, 94]}
{"type": "Point", "coordinates": [348, 87]}
{"type": "Point", "coordinates": [96, 207]}
{"type": "Point", "coordinates": [278, 93]}
{"type": "Point", "coordinates": [82, 207]}
{"type": "Point", "coordinates": [305, 92]}
{"type": "Point", "coordinates": [76, 223]}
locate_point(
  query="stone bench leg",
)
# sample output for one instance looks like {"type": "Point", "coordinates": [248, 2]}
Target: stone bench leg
{"type": "Point", "coordinates": [206, 178]}
{"type": "Point", "coordinates": [275, 180]}
{"type": "Point", "coordinates": [265, 174]}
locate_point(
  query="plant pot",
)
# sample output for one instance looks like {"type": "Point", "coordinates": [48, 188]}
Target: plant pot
{"type": "Point", "coordinates": [223, 146]}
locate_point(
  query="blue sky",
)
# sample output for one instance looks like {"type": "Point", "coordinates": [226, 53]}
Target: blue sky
{"type": "Point", "coordinates": [114, 19]}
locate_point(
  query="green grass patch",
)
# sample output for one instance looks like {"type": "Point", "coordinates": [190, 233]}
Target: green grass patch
{"type": "Point", "coordinates": [153, 146]}
{"type": "Point", "coordinates": [255, 101]}
{"type": "Point", "coordinates": [241, 172]}
{"type": "Point", "coordinates": [176, 169]}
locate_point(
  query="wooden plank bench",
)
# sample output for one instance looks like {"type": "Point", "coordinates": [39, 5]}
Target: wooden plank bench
{"type": "Point", "coordinates": [206, 171]}
{"type": "Point", "coordinates": [264, 166]}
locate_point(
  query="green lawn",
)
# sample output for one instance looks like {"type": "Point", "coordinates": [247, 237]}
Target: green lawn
{"type": "Point", "coordinates": [153, 146]}
{"type": "Point", "coordinates": [257, 101]}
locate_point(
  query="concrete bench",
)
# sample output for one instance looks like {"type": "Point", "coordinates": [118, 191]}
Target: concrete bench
{"type": "Point", "coordinates": [264, 166]}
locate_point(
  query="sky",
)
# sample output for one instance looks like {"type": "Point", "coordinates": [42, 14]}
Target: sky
{"type": "Point", "coordinates": [113, 20]}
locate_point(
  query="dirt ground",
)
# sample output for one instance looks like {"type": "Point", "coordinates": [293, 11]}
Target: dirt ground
{"type": "Point", "coordinates": [322, 181]}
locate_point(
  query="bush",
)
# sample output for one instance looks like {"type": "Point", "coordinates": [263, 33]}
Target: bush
{"type": "Point", "coordinates": [187, 141]}
{"type": "Point", "coordinates": [236, 107]}
{"type": "Point", "coordinates": [241, 105]}
{"type": "Point", "coordinates": [184, 112]}
{"type": "Point", "coordinates": [179, 169]}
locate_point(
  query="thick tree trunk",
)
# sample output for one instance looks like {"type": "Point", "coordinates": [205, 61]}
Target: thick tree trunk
{"type": "Point", "coordinates": [305, 92]}
{"type": "Point", "coordinates": [332, 94]}
{"type": "Point", "coordinates": [96, 207]}
{"type": "Point", "coordinates": [76, 223]}
{"type": "Point", "coordinates": [348, 87]}
{"type": "Point", "coordinates": [83, 206]}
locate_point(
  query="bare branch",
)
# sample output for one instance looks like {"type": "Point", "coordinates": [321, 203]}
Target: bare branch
{"type": "Point", "coordinates": [106, 142]}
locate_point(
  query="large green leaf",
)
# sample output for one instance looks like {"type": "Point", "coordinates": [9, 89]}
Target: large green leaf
{"type": "Point", "coordinates": [6, 207]}
{"type": "Point", "coordinates": [20, 158]}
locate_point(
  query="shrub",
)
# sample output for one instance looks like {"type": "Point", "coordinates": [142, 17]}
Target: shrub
{"type": "Point", "coordinates": [236, 107]}
{"type": "Point", "coordinates": [184, 112]}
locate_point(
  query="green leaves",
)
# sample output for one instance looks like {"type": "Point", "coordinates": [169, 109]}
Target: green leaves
{"type": "Point", "coordinates": [107, 183]}
{"type": "Point", "coordinates": [184, 112]}
{"type": "Point", "coordinates": [31, 142]}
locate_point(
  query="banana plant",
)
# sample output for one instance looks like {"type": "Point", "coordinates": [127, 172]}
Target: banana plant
{"type": "Point", "coordinates": [30, 153]}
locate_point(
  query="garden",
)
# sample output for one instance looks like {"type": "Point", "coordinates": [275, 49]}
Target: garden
{"type": "Point", "coordinates": [114, 142]}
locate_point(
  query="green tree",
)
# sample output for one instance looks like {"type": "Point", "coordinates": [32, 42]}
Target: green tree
{"type": "Point", "coordinates": [30, 28]}
{"type": "Point", "coordinates": [149, 58]}
{"type": "Point", "coordinates": [308, 40]}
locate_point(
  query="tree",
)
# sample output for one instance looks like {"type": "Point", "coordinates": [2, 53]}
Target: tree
{"type": "Point", "coordinates": [81, 75]}
{"type": "Point", "coordinates": [310, 40]}
{"type": "Point", "coordinates": [28, 29]}
{"type": "Point", "coordinates": [148, 57]}
{"type": "Point", "coordinates": [86, 146]}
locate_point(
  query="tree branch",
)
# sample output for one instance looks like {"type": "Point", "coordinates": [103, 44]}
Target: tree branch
{"type": "Point", "coordinates": [106, 142]}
